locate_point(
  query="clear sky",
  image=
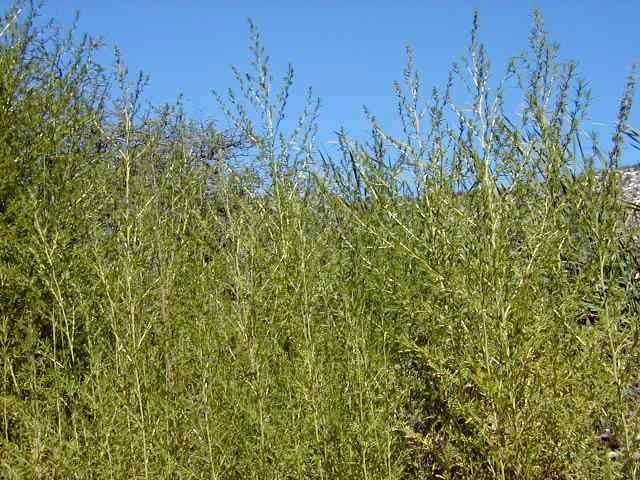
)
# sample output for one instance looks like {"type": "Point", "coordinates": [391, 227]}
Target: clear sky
{"type": "Point", "coordinates": [351, 51]}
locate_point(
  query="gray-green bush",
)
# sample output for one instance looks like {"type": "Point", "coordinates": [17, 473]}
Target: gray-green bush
{"type": "Point", "coordinates": [179, 301]}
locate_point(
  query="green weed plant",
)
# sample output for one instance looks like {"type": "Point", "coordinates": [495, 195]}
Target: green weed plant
{"type": "Point", "coordinates": [179, 301]}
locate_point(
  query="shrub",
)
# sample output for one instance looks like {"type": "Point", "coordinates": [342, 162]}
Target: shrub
{"type": "Point", "coordinates": [180, 301]}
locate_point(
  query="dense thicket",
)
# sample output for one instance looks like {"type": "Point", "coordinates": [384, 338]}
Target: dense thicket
{"type": "Point", "coordinates": [181, 301]}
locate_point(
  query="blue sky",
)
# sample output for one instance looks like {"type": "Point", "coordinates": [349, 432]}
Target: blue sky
{"type": "Point", "coordinates": [350, 52]}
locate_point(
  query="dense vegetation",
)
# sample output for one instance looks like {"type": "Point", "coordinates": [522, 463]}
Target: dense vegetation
{"type": "Point", "coordinates": [180, 301]}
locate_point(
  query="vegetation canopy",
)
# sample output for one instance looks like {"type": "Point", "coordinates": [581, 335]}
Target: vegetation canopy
{"type": "Point", "coordinates": [183, 301]}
